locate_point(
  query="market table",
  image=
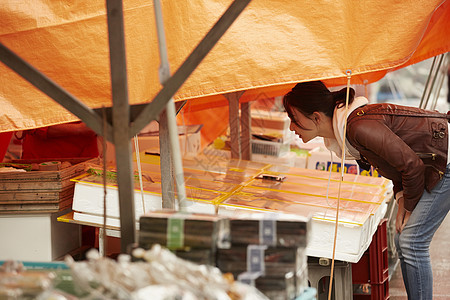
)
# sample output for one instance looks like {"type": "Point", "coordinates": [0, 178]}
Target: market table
{"type": "Point", "coordinates": [109, 230]}
{"type": "Point", "coordinates": [234, 187]}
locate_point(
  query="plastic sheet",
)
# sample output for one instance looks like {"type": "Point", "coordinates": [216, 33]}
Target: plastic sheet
{"type": "Point", "coordinates": [234, 183]}
{"type": "Point", "coordinates": [16, 283]}
{"type": "Point", "coordinates": [160, 275]}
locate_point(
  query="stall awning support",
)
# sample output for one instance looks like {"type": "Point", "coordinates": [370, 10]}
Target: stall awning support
{"type": "Point", "coordinates": [124, 127]}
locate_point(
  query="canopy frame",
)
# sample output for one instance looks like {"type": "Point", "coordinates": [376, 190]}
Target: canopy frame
{"type": "Point", "coordinates": [123, 126]}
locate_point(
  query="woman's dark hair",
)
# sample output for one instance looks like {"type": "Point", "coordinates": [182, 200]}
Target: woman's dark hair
{"type": "Point", "coordinates": [309, 97]}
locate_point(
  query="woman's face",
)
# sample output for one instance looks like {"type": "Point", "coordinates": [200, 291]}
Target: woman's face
{"type": "Point", "coordinates": [304, 127]}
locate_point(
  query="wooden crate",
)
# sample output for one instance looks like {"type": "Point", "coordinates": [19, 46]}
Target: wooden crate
{"type": "Point", "coordinates": [40, 191]}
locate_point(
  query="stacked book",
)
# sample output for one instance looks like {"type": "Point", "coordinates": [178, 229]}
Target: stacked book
{"type": "Point", "coordinates": [37, 186]}
{"type": "Point", "coordinates": [191, 236]}
{"type": "Point", "coordinates": [268, 251]}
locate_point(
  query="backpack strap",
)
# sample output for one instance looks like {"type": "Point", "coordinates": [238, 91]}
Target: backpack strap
{"type": "Point", "coordinates": [403, 113]}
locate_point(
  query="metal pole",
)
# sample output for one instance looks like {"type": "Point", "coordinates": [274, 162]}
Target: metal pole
{"type": "Point", "coordinates": [425, 90]}
{"type": "Point", "coordinates": [167, 187]}
{"type": "Point", "coordinates": [246, 136]}
{"type": "Point", "coordinates": [121, 121]}
{"type": "Point", "coordinates": [435, 75]}
{"type": "Point", "coordinates": [166, 165]}
{"type": "Point", "coordinates": [164, 75]}
{"type": "Point", "coordinates": [234, 123]}
{"type": "Point", "coordinates": [442, 74]}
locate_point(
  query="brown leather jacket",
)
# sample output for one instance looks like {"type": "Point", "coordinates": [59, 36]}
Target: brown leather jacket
{"type": "Point", "coordinates": [405, 144]}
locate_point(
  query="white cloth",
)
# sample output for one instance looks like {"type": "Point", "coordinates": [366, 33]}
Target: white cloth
{"type": "Point", "coordinates": [339, 118]}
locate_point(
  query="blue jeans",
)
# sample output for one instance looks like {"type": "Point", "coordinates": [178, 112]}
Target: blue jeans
{"type": "Point", "coordinates": [414, 241]}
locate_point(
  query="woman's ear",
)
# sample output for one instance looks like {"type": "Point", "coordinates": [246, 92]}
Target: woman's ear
{"type": "Point", "coordinates": [316, 117]}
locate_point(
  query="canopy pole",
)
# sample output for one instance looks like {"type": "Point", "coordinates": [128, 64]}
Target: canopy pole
{"type": "Point", "coordinates": [246, 135]}
{"type": "Point", "coordinates": [121, 121]}
{"type": "Point", "coordinates": [425, 90]}
{"type": "Point", "coordinates": [434, 72]}
{"type": "Point", "coordinates": [442, 75]}
{"type": "Point", "coordinates": [164, 75]}
{"type": "Point", "coordinates": [166, 164]}
{"type": "Point", "coordinates": [235, 124]}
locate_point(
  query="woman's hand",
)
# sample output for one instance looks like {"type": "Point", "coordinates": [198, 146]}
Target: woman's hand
{"type": "Point", "coordinates": [402, 215]}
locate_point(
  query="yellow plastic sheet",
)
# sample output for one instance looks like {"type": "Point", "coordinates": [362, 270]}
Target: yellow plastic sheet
{"type": "Point", "coordinates": [269, 48]}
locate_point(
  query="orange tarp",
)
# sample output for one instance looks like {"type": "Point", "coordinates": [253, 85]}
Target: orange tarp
{"type": "Point", "coordinates": [270, 47]}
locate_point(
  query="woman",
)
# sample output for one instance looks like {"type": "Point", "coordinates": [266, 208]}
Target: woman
{"type": "Point", "coordinates": [405, 144]}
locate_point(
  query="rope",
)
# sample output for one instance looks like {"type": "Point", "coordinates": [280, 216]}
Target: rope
{"type": "Point", "coordinates": [366, 90]}
{"type": "Point", "coordinates": [138, 160]}
{"type": "Point", "coordinates": [349, 73]}
{"type": "Point", "coordinates": [329, 178]}
{"type": "Point", "coordinates": [104, 180]}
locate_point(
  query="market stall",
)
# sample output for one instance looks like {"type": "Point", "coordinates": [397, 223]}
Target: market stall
{"type": "Point", "coordinates": [292, 47]}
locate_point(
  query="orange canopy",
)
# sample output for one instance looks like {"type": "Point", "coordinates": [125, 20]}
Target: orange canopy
{"type": "Point", "coordinates": [270, 47]}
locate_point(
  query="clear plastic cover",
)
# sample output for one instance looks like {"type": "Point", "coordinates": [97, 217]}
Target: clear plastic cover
{"type": "Point", "coordinates": [158, 275]}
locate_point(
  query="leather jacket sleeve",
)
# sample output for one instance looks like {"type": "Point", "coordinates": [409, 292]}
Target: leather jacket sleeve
{"type": "Point", "coordinates": [391, 155]}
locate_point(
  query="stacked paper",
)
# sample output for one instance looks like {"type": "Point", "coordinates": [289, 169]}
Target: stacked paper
{"type": "Point", "coordinates": [268, 251]}
{"type": "Point", "coordinates": [194, 237]}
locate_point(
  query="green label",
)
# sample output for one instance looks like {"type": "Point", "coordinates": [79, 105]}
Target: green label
{"type": "Point", "coordinates": [175, 233]}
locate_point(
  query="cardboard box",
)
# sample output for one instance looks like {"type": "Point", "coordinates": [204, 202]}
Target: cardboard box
{"type": "Point", "coordinates": [320, 159]}
{"type": "Point", "coordinates": [189, 137]}
{"type": "Point", "coordinates": [271, 123]}
{"type": "Point", "coordinates": [37, 237]}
